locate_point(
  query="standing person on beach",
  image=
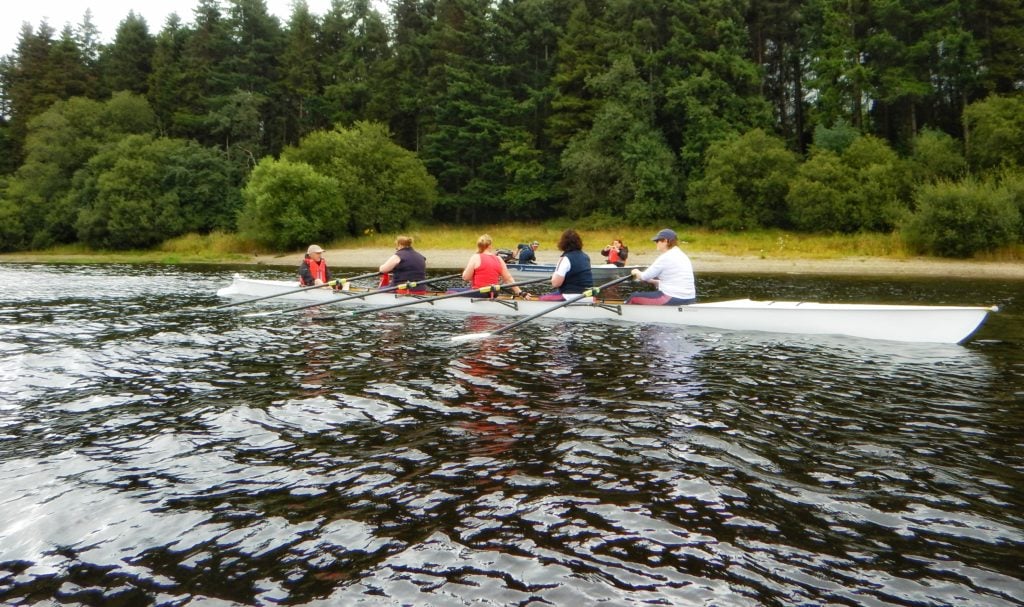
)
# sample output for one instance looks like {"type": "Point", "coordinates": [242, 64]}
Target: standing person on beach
{"type": "Point", "coordinates": [313, 269]}
{"type": "Point", "coordinates": [485, 268]}
{"type": "Point", "coordinates": [406, 265]}
{"type": "Point", "coordinates": [671, 272]}
{"type": "Point", "coordinates": [572, 274]}
{"type": "Point", "coordinates": [616, 252]}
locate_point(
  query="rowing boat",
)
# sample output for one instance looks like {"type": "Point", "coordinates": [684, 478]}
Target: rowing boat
{"type": "Point", "coordinates": [601, 273]}
{"type": "Point", "coordinates": [906, 323]}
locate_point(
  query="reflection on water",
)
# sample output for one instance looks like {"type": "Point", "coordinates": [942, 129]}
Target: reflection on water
{"type": "Point", "coordinates": [153, 452]}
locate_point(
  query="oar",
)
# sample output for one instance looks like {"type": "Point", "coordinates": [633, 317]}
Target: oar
{"type": "Point", "coordinates": [570, 300]}
{"type": "Point", "coordinates": [329, 283]}
{"type": "Point", "coordinates": [482, 290]}
{"type": "Point", "coordinates": [394, 287]}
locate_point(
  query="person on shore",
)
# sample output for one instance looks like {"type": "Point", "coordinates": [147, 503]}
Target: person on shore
{"type": "Point", "coordinates": [313, 269]}
{"type": "Point", "coordinates": [485, 268]}
{"type": "Point", "coordinates": [671, 272]}
{"type": "Point", "coordinates": [572, 275]}
{"type": "Point", "coordinates": [528, 253]}
{"type": "Point", "coordinates": [616, 252]}
{"type": "Point", "coordinates": [406, 265]}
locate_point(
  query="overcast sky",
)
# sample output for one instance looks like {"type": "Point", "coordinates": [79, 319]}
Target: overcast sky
{"type": "Point", "coordinates": [107, 14]}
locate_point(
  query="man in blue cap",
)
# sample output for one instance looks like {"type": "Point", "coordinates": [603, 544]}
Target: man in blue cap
{"type": "Point", "coordinates": [671, 272]}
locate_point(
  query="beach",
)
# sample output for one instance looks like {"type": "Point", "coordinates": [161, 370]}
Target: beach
{"type": "Point", "coordinates": [710, 263]}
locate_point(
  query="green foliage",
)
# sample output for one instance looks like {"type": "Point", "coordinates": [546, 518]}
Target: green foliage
{"type": "Point", "coordinates": [12, 231]}
{"type": "Point", "coordinates": [995, 132]}
{"type": "Point", "coordinates": [745, 182]}
{"type": "Point", "coordinates": [1012, 183]}
{"type": "Point", "coordinates": [622, 165]}
{"type": "Point", "coordinates": [140, 191]}
{"type": "Point", "coordinates": [866, 188]}
{"type": "Point", "coordinates": [835, 138]}
{"type": "Point", "coordinates": [289, 204]}
{"type": "Point", "coordinates": [819, 198]}
{"type": "Point", "coordinates": [60, 141]}
{"type": "Point", "coordinates": [961, 219]}
{"type": "Point", "coordinates": [936, 156]}
{"type": "Point", "coordinates": [384, 186]}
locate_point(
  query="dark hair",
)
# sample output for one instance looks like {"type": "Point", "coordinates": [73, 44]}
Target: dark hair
{"type": "Point", "coordinates": [570, 241]}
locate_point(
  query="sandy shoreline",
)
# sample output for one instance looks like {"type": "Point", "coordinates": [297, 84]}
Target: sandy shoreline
{"type": "Point", "coordinates": [710, 263]}
{"type": "Point", "coordinates": [703, 263]}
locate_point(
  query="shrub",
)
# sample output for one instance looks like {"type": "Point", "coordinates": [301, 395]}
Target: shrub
{"type": "Point", "coordinates": [819, 198]}
{"type": "Point", "coordinates": [959, 219]}
{"type": "Point", "coordinates": [995, 132]}
{"type": "Point", "coordinates": [746, 179]}
{"type": "Point", "coordinates": [936, 155]}
{"type": "Point", "coordinates": [866, 188]}
{"type": "Point", "coordinates": [289, 205]}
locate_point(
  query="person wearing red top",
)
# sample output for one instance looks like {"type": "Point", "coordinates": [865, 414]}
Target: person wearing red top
{"type": "Point", "coordinates": [485, 268]}
{"type": "Point", "coordinates": [616, 253]}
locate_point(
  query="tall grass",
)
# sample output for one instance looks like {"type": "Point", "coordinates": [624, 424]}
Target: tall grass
{"type": "Point", "coordinates": [765, 244]}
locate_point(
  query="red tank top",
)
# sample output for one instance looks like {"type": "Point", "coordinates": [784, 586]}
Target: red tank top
{"type": "Point", "coordinates": [489, 272]}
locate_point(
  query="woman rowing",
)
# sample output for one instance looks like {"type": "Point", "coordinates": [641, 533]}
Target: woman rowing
{"type": "Point", "coordinates": [406, 265]}
{"type": "Point", "coordinates": [671, 272]}
{"type": "Point", "coordinates": [572, 275]}
{"type": "Point", "coordinates": [485, 269]}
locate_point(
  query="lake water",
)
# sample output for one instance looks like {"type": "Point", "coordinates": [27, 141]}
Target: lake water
{"type": "Point", "coordinates": [154, 452]}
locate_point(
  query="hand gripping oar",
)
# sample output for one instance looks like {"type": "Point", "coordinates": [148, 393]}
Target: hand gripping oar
{"type": "Point", "coordinates": [394, 287]}
{"type": "Point", "coordinates": [482, 290]}
{"type": "Point", "coordinates": [570, 300]}
{"type": "Point", "coordinates": [329, 283]}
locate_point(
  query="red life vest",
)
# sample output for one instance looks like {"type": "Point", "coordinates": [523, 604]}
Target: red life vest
{"type": "Point", "coordinates": [317, 270]}
{"type": "Point", "coordinates": [613, 255]}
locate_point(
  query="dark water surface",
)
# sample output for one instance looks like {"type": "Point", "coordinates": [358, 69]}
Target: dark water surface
{"type": "Point", "coordinates": [155, 453]}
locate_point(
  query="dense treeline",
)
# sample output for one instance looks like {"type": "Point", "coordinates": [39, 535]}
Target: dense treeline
{"type": "Point", "coordinates": [817, 115]}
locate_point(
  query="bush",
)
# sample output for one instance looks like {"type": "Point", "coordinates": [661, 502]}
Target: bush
{"type": "Point", "coordinates": [936, 155]}
{"type": "Point", "coordinates": [289, 205]}
{"type": "Point", "coordinates": [959, 219]}
{"type": "Point", "coordinates": [819, 198]}
{"type": "Point", "coordinates": [385, 186]}
{"type": "Point", "coordinates": [1012, 182]}
{"type": "Point", "coordinates": [746, 179]}
{"type": "Point", "coordinates": [995, 132]}
{"type": "Point", "coordinates": [868, 188]}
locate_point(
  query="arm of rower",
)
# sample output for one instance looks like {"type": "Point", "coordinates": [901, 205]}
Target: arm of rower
{"type": "Point", "coordinates": [474, 262]}
{"type": "Point", "coordinates": [390, 264]}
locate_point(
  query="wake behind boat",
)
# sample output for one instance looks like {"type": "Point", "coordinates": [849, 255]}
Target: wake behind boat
{"type": "Point", "coordinates": [925, 324]}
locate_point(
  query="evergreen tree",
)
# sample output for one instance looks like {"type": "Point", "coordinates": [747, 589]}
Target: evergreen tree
{"type": "Point", "coordinates": [998, 25]}
{"type": "Point", "coordinates": [355, 53]}
{"type": "Point", "coordinates": [204, 74]}
{"type": "Point", "coordinates": [127, 63]}
{"type": "Point", "coordinates": [165, 79]}
{"type": "Point", "coordinates": [471, 110]}
{"type": "Point", "coordinates": [407, 69]}
{"type": "Point", "coordinates": [300, 76]}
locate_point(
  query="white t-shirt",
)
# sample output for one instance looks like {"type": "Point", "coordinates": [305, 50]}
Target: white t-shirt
{"type": "Point", "coordinates": [563, 266]}
{"type": "Point", "coordinates": [674, 273]}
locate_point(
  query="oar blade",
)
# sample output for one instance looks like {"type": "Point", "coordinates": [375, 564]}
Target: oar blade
{"type": "Point", "coordinates": [470, 337]}
{"type": "Point", "coordinates": [261, 314]}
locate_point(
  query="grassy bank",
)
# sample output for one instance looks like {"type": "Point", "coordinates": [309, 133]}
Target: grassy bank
{"type": "Point", "coordinates": [765, 244]}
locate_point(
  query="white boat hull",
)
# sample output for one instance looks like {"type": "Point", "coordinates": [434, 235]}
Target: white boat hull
{"type": "Point", "coordinates": [927, 324]}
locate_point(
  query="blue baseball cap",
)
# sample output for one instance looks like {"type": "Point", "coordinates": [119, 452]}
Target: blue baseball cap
{"type": "Point", "coordinates": [666, 234]}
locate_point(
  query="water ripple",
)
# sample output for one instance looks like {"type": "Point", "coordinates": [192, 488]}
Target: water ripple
{"type": "Point", "coordinates": [155, 452]}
